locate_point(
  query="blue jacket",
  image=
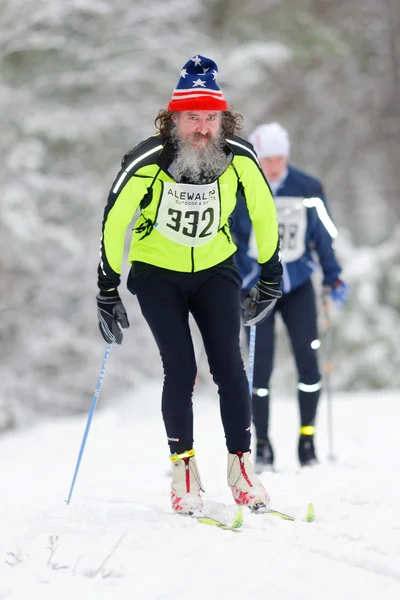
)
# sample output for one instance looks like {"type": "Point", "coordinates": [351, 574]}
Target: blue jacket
{"type": "Point", "coordinates": [305, 231]}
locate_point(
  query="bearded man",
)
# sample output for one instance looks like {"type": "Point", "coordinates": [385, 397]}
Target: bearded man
{"type": "Point", "coordinates": [185, 180]}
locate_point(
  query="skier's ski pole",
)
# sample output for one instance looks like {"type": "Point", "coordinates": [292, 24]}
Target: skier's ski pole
{"type": "Point", "coordinates": [328, 373]}
{"type": "Point", "coordinates": [91, 413]}
{"type": "Point", "coordinates": [252, 350]}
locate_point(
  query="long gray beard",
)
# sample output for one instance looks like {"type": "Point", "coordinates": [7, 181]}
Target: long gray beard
{"type": "Point", "coordinates": [199, 166]}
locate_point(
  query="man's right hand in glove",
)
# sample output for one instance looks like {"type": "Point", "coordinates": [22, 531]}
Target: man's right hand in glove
{"type": "Point", "coordinates": [111, 314]}
{"type": "Point", "coordinates": [259, 302]}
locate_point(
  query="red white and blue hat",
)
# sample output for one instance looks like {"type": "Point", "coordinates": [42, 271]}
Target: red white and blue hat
{"type": "Point", "coordinates": [197, 87]}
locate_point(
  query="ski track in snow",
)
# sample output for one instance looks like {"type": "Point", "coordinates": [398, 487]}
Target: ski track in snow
{"type": "Point", "coordinates": [119, 539]}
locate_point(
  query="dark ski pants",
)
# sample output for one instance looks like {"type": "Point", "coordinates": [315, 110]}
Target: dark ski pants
{"type": "Point", "coordinates": [166, 298]}
{"type": "Point", "coordinates": [298, 311]}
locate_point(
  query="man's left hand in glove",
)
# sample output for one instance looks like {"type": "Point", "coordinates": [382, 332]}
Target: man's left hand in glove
{"type": "Point", "coordinates": [259, 302]}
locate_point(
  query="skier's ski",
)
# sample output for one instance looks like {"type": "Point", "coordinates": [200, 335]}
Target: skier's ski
{"type": "Point", "coordinates": [237, 521]}
{"type": "Point", "coordinates": [263, 509]}
{"type": "Point", "coordinates": [234, 525]}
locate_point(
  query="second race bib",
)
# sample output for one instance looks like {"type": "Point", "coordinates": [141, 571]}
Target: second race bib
{"type": "Point", "coordinates": [292, 220]}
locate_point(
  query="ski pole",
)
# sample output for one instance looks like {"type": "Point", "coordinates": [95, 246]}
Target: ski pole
{"type": "Point", "coordinates": [252, 349]}
{"type": "Point", "coordinates": [328, 373]}
{"type": "Point", "coordinates": [91, 413]}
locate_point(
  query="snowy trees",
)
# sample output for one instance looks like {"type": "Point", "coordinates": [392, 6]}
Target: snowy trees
{"type": "Point", "coordinates": [81, 82]}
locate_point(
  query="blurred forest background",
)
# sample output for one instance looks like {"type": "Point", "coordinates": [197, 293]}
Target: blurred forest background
{"type": "Point", "coordinates": [82, 81]}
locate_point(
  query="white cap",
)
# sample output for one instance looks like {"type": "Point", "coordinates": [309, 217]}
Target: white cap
{"type": "Point", "coordinates": [270, 139]}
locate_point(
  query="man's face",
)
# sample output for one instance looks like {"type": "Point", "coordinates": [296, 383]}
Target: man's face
{"type": "Point", "coordinates": [198, 127]}
{"type": "Point", "coordinates": [273, 167]}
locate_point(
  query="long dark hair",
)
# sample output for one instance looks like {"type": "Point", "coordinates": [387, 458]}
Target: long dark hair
{"type": "Point", "coordinates": [231, 122]}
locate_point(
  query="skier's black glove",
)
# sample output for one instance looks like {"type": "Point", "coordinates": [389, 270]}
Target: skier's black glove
{"type": "Point", "coordinates": [259, 302]}
{"type": "Point", "coordinates": [111, 314]}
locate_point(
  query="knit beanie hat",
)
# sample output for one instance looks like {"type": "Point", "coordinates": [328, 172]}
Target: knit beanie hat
{"type": "Point", "coordinates": [197, 88]}
{"type": "Point", "coordinates": [270, 139]}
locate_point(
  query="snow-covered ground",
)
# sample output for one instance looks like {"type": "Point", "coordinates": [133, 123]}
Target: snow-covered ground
{"type": "Point", "coordinates": [119, 539]}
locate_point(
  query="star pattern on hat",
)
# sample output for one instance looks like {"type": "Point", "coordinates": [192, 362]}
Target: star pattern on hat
{"type": "Point", "coordinates": [197, 88]}
{"type": "Point", "coordinates": [199, 82]}
{"type": "Point", "coordinates": [196, 59]}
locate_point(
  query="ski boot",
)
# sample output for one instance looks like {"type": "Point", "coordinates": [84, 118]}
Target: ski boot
{"type": "Point", "coordinates": [245, 486]}
{"type": "Point", "coordinates": [306, 448]}
{"type": "Point", "coordinates": [186, 485]}
{"type": "Point", "coordinates": [264, 456]}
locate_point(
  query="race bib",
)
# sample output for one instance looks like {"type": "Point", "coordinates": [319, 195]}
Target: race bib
{"type": "Point", "coordinates": [292, 220]}
{"type": "Point", "coordinates": [189, 214]}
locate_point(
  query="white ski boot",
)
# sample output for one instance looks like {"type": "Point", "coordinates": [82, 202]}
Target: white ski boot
{"type": "Point", "coordinates": [186, 485]}
{"type": "Point", "coordinates": [246, 487]}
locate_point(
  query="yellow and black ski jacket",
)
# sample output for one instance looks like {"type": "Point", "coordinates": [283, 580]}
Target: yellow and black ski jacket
{"type": "Point", "coordinates": [140, 185]}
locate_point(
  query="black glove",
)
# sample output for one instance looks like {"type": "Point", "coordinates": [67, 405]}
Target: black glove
{"type": "Point", "coordinates": [259, 302]}
{"type": "Point", "coordinates": [111, 314]}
